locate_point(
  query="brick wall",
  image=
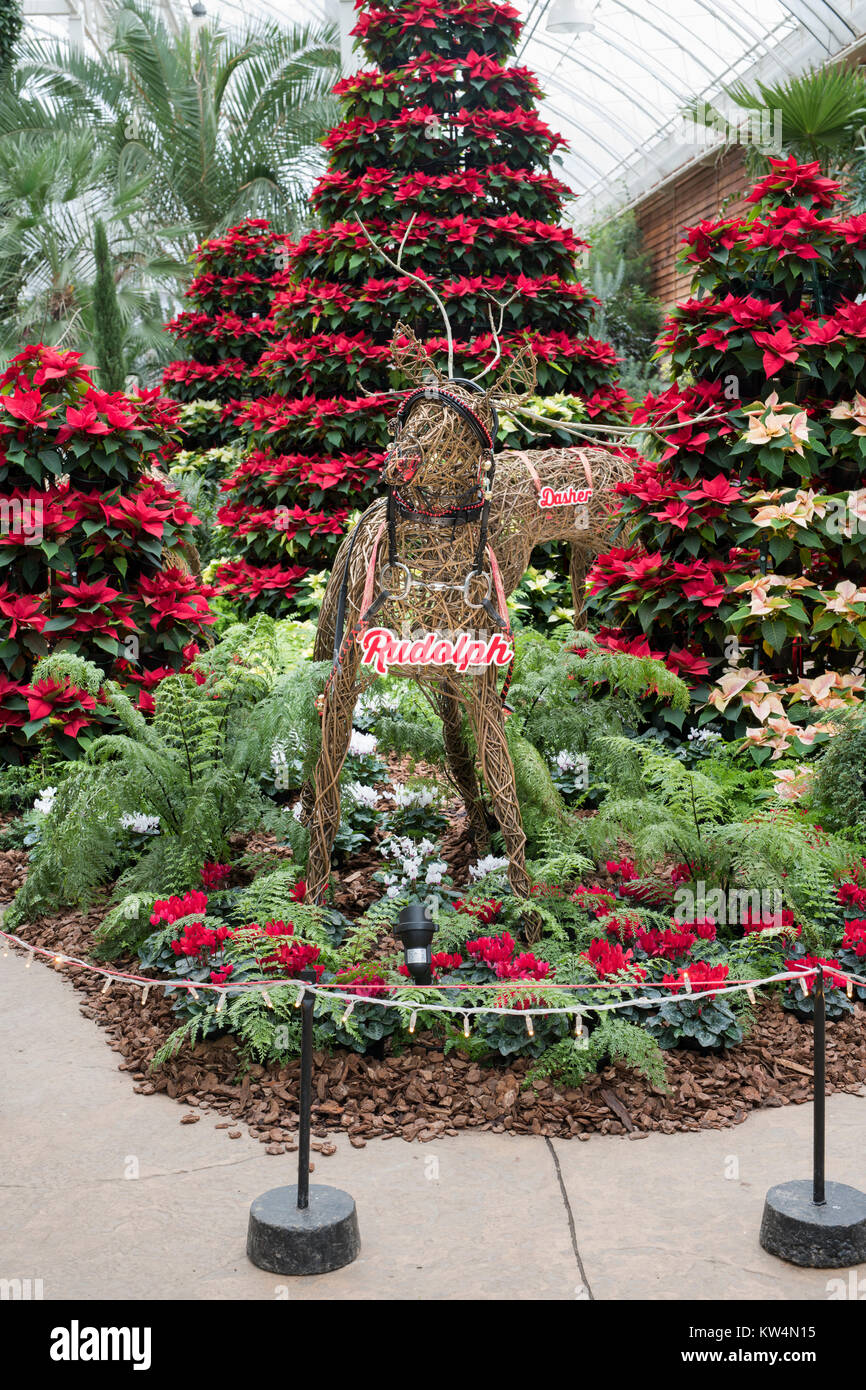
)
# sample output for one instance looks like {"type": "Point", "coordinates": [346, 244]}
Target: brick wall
{"type": "Point", "coordinates": [696, 194]}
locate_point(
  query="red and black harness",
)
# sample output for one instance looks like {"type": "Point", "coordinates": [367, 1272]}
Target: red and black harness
{"type": "Point", "coordinates": [470, 507]}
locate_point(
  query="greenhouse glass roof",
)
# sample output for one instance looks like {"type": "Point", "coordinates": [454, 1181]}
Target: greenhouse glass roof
{"type": "Point", "coordinates": [617, 90]}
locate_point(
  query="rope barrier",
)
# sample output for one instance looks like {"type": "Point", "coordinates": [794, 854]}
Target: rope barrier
{"type": "Point", "coordinates": [345, 994]}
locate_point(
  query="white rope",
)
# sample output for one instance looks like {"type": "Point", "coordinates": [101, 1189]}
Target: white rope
{"type": "Point", "coordinates": [349, 1000]}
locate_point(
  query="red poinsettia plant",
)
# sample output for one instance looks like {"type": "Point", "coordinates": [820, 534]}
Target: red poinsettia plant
{"type": "Point", "coordinates": [92, 538]}
{"type": "Point", "coordinates": [743, 561]}
{"type": "Point", "coordinates": [440, 146]}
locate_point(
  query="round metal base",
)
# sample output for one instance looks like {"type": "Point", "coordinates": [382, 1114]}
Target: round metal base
{"type": "Point", "coordinates": [832, 1236]}
{"type": "Point", "coordinates": [284, 1240]}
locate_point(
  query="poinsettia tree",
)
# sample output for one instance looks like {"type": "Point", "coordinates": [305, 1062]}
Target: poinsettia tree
{"type": "Point", "coordinates": [743, 563]}
{"type": "Point", "coordinates": [441, 151]}
{"type": "Point", "coordinates": [95, 547]}
{"type": "Point", "coordinates": [223, 333]}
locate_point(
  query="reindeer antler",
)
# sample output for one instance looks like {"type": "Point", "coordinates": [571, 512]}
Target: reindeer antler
{"type": "Point", "coordinates": [517, 378]}
{"type": "Point", "coordinates": [419, 280]}
{"type": "Point", "coordinates": [409, 356]}
{"type": "Point", "coordinates": [496, 329]}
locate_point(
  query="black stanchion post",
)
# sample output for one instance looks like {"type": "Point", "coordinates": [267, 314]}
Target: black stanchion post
{"type": "Point", "coordinates": [303, 1229]}
{"type": "Point", "coordinates": [818, 1224]}
{"type": "Point", "coordinates": [819, 1089]}
{"type": "Point", "coordinates": [305, 1095]}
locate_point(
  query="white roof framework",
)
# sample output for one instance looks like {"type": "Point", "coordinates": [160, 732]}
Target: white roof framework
{"type": "Point", "coordinates": [617, 92]}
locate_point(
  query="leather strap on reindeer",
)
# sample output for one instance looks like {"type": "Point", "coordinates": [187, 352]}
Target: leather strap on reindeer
{"type": "Point", "coordinates": [533, 472]}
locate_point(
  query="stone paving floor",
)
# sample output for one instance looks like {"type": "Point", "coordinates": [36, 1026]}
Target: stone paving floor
{"type": "Point", "coordinates": [105, 1194]}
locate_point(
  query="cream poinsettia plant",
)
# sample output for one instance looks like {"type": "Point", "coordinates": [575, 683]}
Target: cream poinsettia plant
{"type": "Point", "coordinates": [770, 422]}
{"type": "Point", "coordinates": [771, 705]}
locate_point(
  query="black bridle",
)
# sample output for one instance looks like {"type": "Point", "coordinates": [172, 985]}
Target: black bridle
{"type": "Point", "coordinates": [459, 514]}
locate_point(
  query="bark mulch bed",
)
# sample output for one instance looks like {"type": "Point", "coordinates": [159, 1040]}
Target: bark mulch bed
{"type": "Point", "coordinates": [422, 1094]}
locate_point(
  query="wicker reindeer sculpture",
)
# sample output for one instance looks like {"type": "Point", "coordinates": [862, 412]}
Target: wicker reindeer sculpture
{"type": "Point", "coordinates": [419, 586]}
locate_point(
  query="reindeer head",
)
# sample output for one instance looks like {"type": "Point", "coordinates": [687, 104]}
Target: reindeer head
{"type": "Point", "coordinates": [446, 426]}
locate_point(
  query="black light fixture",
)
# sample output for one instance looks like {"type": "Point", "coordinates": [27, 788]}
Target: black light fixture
{"type": "Point", "coordinates": [415, 930]}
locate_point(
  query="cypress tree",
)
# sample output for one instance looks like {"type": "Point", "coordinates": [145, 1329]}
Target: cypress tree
{"type": "Point", "coordinates": [107, 324]}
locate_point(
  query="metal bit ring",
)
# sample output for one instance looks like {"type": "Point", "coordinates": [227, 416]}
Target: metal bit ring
{"type": "Point", "coordinates": [476, 574]}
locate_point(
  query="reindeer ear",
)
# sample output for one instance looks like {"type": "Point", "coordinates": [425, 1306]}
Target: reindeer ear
{"type": "Point", "coordinates": [410, 359]}
{"type": "Point", "coordinates": [516, 381]}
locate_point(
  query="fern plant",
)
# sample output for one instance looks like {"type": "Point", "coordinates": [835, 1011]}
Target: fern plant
{"type": "Point", "coordinates": [573, 1059]}
{"type": "Point", "coordinates": [198, 766]}
{"type": "Point", "coordinates": [667, 811]}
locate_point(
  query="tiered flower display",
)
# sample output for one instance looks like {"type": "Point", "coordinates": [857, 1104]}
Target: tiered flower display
{"type": "Point", "coordinates": [441, 151]}
{"type": "Point", "coordinates": [92, 545]}
{"type": "Point", "coordinates": [743, 564]}
{"type": "Point", "coordinates": [224, 333]}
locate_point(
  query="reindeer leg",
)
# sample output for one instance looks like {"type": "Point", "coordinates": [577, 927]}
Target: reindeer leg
{"type": "Point", "coordinates": [577, 573]}
{"type": "Point", "coordinates": [336, 732]}
{"type": "Point", "coordinates": [462, 766]}
{"type": "Point", "coordinates": [489, 727]}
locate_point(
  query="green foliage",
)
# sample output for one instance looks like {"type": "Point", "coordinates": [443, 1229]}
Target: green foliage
{"type": "Point", "coordinates": [508, 1034]}
{"type": "Point", "coordinates": [125, 926]}
{"type": "Point", "coordinates": [63, 667]}
{"type": "Point", "coordinates": [264, 1034]}
{"type": "Point", "coordinates": [269, 898]}
{"type": "Point", "coordinates": [543, 599]}
{"type": "Point", "coordinates": [11, 22]}
{"type": "Point", "coordinates": [620, 274]}
{"type": "Point", "coordinates": [565, 700]}
{"type": "Point", "coordinates": [107, 322]}
{"type": "Point", "coordinates": [838, 794]}
{"type": "Point", "coordinates": [411, 727]}
{"type": "Point", "coordinates": [20, 783]}
{"type": "Point", "coordinates": [612, 1039]}
{"type": "Point", "coordinates": [836, 1002]}
{"type": "Point", "coordinates": [540, 802]}
{"type": "Point", "coordinates": [665, 810]}
{"type": "Point", "coordinates": [199, 766]}
{"type": "Point", "coordinates": [705, 1023]}
{"type": "Point", "coordinates": [821, 112]}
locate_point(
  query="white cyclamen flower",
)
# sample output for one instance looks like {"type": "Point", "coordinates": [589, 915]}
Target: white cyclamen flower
{"type": "Point", "coordinates": [363, 796]}
{"type": "Point", "coordinates": [566, 762]}
{"type": "Point", "coordinates": [704, 736]}
{"type": "Point", "coordinates": [296, 810]}
{"type": "Point", "coordinates": [488, 865]}
{"type": "Point", "coordinates": [140, 823]}
{"type": "Point", "coordinates": [45, 800]}
{"type": "Point", "coordinates": [362, 744]}
{"type": "Point", "coordinates": [414, 796]}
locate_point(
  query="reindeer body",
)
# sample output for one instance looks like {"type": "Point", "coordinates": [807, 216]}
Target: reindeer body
{"type": "Point", "coordinates": [442, 556]}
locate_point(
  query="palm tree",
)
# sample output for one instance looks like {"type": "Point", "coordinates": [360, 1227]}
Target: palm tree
{"type": "Point", "coordinates": [820, 112]}
{"type": "Point", "coordinates": [821, 117]}
{"type": "Point", "coordinates": [224, 124]}
{"type": "Point", "coordinates": [168, 140]}
{"type": "Point", "coordinates": [10, 32]}
{"type": "Point", "coordinates": [53, 188]}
